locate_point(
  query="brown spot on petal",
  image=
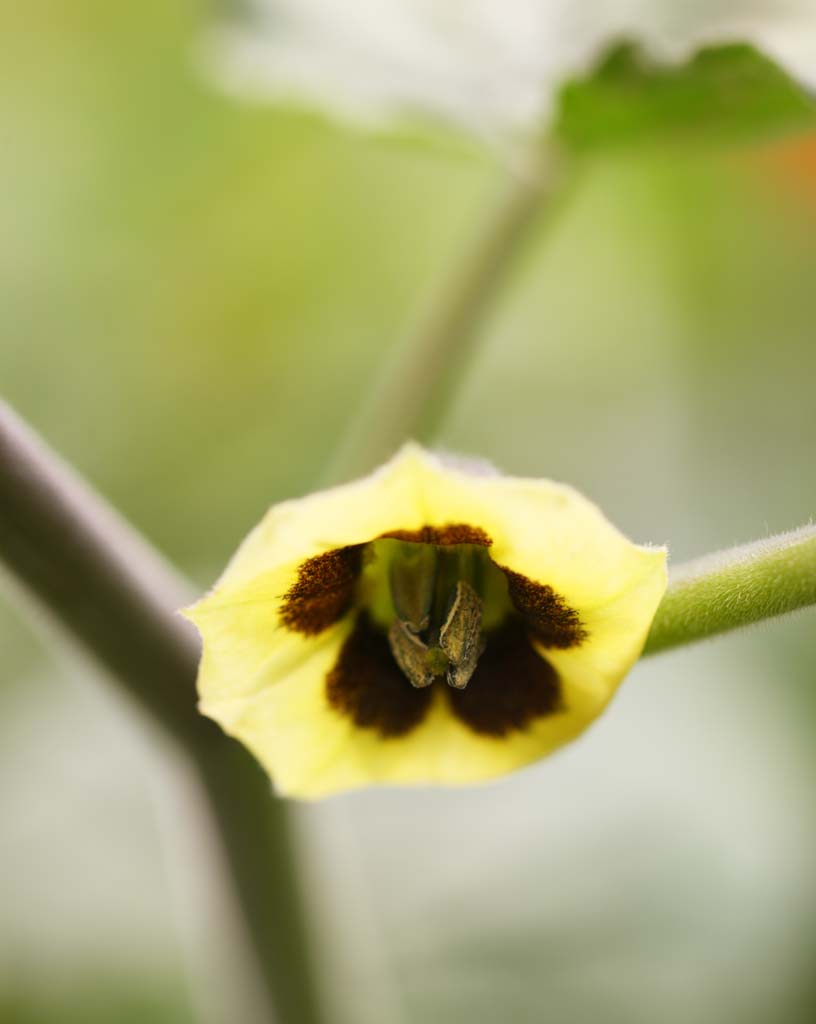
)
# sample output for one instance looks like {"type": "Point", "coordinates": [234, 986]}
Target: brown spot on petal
{"type": "Point", "coordinates": [367, 685]}
{"type": "Point", "coordinates": [550, 618]}
{"type": "Point", "coordinates": [512, 685]}
{"type": "Point", "coordinates": [323, 591]}
{"type": "Point", "coordinates": [452, 533]}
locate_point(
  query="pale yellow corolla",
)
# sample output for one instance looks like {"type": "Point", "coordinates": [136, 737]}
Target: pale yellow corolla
{"type": "Point", "coordinates": [297, 661]}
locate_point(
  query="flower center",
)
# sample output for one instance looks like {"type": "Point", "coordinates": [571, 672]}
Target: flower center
{"type": "Point", "coordinates": [438, 601]}
{"type": "Point", "coordinates": [432, 604]}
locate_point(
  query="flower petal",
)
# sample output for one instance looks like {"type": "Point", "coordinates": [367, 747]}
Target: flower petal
{"type": "Point", "coordinates": [246, 647]}
{"type": "Point", "coordinates": [389, 499]}
{"type": "Point", "coordinates": [546, 531]}
{"type": "Point", "coordinates": [243, 619]}
{"type": "Point", "coordinates": [311, 751]}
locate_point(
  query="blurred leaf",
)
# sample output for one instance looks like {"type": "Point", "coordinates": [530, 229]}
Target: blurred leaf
{"type": "Point", "coordinates": [724, 92]}
{"type": "Point", "coordinates": [495, 70]}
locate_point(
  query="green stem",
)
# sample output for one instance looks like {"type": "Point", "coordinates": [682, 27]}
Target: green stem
{"type": "Point", "coordinates": [734, 588]}
{"type": "Point", "coordinates": [416, 382]}
{"type": "Point", "coordinates": [114, 595]}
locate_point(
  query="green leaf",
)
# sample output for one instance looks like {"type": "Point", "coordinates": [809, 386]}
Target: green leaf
{"type": "Point", "coordinates": [724, 93]}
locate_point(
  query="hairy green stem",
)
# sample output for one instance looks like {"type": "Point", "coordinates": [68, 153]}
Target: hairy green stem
{"type": "Point", "coordinates": [416, 382]}
{"type": "Point", "coordinates": [734, 588]}
{"type": "Point", "coordinates": [113, 594]}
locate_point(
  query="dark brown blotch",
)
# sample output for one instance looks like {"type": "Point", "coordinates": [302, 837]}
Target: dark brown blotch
{"type": "Point", "coordinates": [511, 687]}
{"type": "Point", "coordinates": [451, 533]}
{"type": "Point", "coordinates": [323, 591]}
{"type": "Point", "coordinates": [367, 685]}
{"type": "Point", "coordinates": [549, 617]}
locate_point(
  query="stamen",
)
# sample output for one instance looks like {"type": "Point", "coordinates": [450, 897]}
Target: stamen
{"type": "Point", "coordinates": [412, 576]}
{"type": "Point", "coordinates": [511, 687]}
{"type": "Point", "coordinates": [461, 635]}
{"type": "Point", "coordinates": [438, 626]}
{"type": "Point", "coordinates": [411, 654]}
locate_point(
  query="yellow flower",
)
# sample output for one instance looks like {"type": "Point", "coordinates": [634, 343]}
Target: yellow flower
{"type": "Point", "coordinates": [430, 623]}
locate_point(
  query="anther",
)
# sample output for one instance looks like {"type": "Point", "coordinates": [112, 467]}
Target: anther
{"type": "Point", "coordinates": [437, 629]}
{"type": "Point", "coordinates": [461, 635]}
{"type": "Point", "coordinates": [412, 654]}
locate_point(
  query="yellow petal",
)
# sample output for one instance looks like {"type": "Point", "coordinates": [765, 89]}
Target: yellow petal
{"type": "Point", "coordinates": [245, 645]}
{"type": "Point", "coordinates": [312, 751]}
{"type": "Point", "coordinates": [544, 530]}
{"type": "Point", "coordinates": [390, 498]}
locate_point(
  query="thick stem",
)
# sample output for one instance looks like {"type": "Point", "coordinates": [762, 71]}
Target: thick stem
{"type": "Point", "coordinates": [416, 382]}
{"type": "Point", "coordinates": [736, 587]}
{"type": "Point", "coordinates": [115, 596]}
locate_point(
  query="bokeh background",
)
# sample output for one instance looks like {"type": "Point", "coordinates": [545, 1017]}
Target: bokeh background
{"type": "Point", "coordinates": [197, 295]}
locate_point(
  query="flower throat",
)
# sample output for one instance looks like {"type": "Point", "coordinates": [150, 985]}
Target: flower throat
{"type": "Point", "coordinates": [437, 596]}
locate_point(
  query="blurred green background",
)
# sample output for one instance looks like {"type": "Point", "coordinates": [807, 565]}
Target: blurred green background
{"type": "Point", "coordinates": [196, 297]}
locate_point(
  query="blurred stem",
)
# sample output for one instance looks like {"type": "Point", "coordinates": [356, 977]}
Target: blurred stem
{"type": "Point", "coordinates": [416, 383]}
{"type": "Point", "coordinates": [114, 595]}
{"type": "Point", "coordinates": [736, 587]}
